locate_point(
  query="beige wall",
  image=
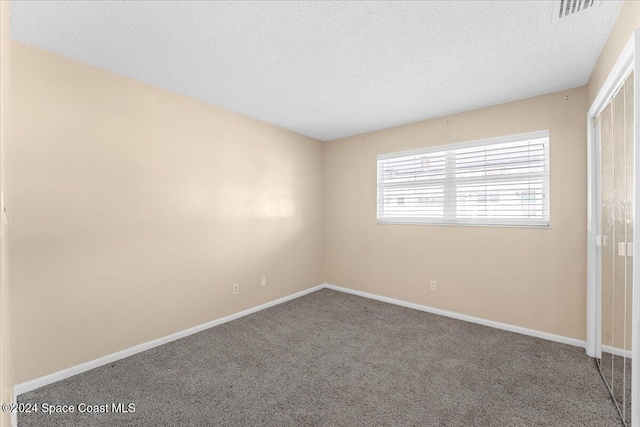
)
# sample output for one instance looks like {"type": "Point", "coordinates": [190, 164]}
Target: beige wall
{"type": "Point", "coordinates": [527, 277]}
{"type": "Point", "coordinates": [135, 210]}
{"type": "Point", "coordinates": [6, 360]}
{"type": "Point", "coordinates": [628, 21]}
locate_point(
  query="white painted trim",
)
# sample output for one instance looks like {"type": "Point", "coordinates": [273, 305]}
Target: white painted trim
{"type": "Point", "coordinates": [543, 225]}
{"type": "Point", "coordinates": [623, 65]}
{"type": "Point", "coordinates": [626, 61]}
{"type": "Point", "coordinates": [498, 325]}
{"type": "Point", "coordinates": [597, 195]}
{"type": "Point", "coordinates": [635, 322]}
{"type": "Point", "coordinates": [594, 295]}
{"type": "Point", "coordinates": [83, 367]}
{"type": "Point", "coordinates": [616, 351]}
{"type": "Point", "coordinates": [619, 71]}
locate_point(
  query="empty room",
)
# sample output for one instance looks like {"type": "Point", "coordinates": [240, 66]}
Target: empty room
{"type": "Point", "coordinates": [319, 213]}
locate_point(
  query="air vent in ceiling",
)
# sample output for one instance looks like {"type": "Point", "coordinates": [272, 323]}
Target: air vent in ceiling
{"type": "Point", "coordinates": [566, 8]}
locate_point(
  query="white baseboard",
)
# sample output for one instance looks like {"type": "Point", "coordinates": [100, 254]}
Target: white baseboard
{"type": "Point", "coordinates": [616, 351]}
{"type": "Point", "coordinates": [504, 326]}
{"type": "Point", "coordinates": [83, 367]}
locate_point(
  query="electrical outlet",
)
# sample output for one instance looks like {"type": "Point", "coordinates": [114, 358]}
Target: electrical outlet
{"type": "Point", "coordinates": [235, 289]}
{"type": "Point", "coordinates": [263, 281]}
{"type": "Point", "coordinates": [433, 285]}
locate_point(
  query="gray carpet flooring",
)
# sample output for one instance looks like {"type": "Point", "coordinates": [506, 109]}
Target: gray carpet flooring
{"type": "Point", "coordinates": [333, 359]}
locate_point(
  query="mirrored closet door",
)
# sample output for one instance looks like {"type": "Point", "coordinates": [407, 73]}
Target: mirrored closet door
{"type": "Point", "coordinates": [614, 127]}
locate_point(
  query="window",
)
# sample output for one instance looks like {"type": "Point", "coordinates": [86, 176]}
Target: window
{"type": "Point", "coordinates": [500, 182]}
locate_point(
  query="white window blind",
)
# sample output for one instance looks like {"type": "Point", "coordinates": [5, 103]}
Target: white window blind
{"type": "Point", "coordinates": [500, 182]}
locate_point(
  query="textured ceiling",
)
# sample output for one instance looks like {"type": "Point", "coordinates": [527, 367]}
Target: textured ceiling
{"type": "Point", "coordinates": [329, 69]}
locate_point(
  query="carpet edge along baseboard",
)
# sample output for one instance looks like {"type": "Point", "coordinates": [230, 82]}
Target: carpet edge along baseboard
{"type": "Point", "coordinates": [86, 366]}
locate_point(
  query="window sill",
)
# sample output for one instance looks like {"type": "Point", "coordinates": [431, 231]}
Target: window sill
{"type": "Point", "coordinates": [452, 224]}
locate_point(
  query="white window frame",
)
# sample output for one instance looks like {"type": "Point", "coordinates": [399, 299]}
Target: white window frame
{"type": "Point", "coordinates": [448, 217]}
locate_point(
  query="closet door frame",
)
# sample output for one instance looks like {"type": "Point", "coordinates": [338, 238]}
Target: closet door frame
{"type": "Point", "coordinates": [624, 64]}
